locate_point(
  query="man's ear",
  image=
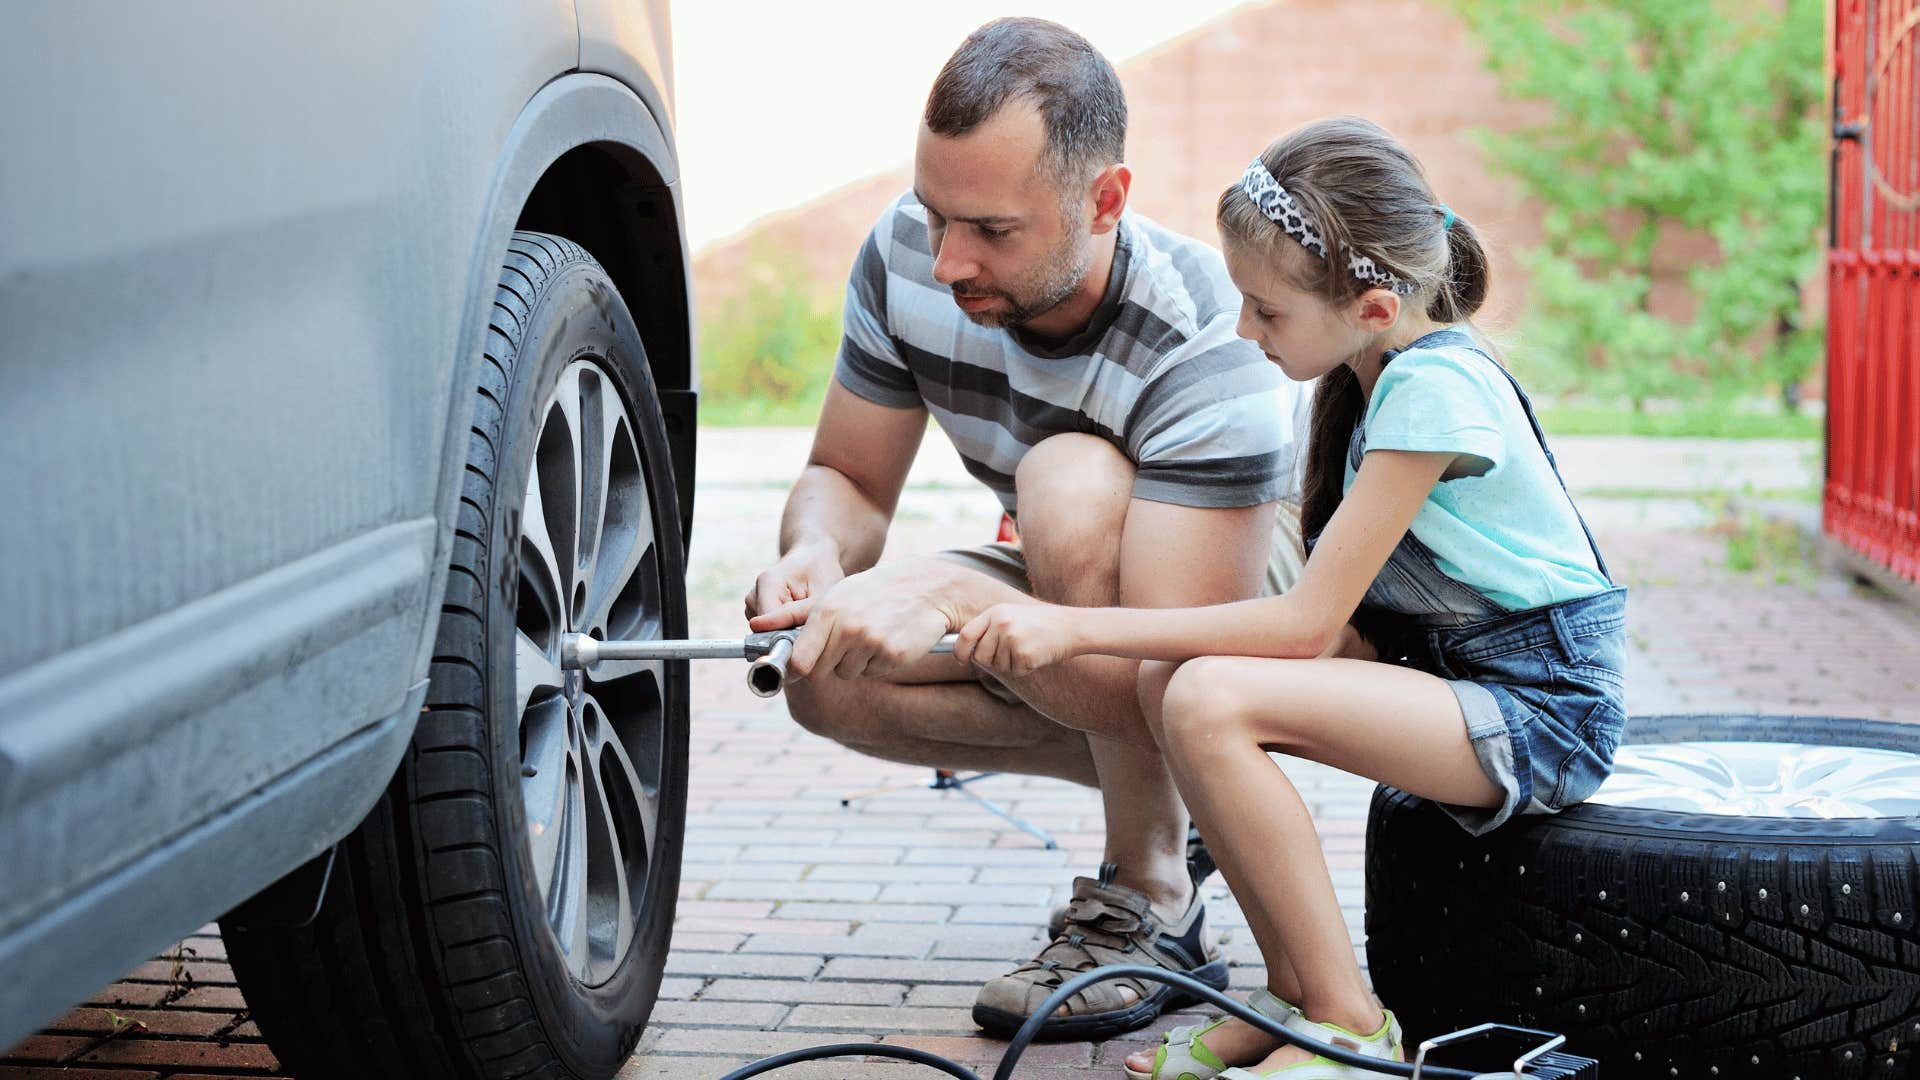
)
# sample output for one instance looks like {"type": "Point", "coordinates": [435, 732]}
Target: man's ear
{"type": "Point", "coordinates": [1109, 190]}
{"type": "Point", "coordinates": [1376, 310]}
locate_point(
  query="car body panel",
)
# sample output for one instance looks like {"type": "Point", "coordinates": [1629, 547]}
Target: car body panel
{"type": "Point", "coordinates": [245, 262]}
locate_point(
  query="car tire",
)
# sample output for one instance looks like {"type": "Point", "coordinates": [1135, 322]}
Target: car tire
{"type": "Point", "coordinates": [1705, 915]}
{"type": "Point", "coordinates": [506, 907]}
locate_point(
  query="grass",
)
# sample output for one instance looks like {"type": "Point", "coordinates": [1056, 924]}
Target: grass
{"type": "Point", "coordinates": [1767, 549]}
{"type": "Point", "coordinates": [1688, 423]}
{"type": "Point", "coordinates": [1807, 495]}
{"type": "Point", "coordinates": [758, 412]}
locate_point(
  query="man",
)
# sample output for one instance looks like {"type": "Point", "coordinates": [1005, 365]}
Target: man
{"type": "Point", "coordinates": [1083, 361]}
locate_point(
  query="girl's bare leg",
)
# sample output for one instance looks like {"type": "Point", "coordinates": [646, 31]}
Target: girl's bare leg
{"type": "Point", "coordinates": [1218, 718]}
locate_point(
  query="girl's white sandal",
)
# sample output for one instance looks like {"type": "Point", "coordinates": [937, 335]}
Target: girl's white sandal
{"type": "Point", "coordinates": [1383, 1044]}
{"type": "Point", "coordinates": [1182, 1056]}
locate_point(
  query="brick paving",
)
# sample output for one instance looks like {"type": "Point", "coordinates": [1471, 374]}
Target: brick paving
{"type": "Point", "coordinates": [801, 922]}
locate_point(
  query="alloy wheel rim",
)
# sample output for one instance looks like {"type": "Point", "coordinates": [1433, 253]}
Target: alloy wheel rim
{"type": "Point", "coordinates": [1764, 779]}
{"type": "Point", "coordinates": [592, 742]}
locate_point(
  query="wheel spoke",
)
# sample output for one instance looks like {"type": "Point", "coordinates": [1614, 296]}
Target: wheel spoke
{"type": "Point", "coordinates": [595, 444]}
{"type": "Point", "coordinates": [644, 790]}
{"type": "Point", "coordinates": [533, 671]}
{"type": "Point", "coordinates": [558, 472]}
{"type": "Point", "coordinates": [535, 534]}
{"type": "Point", "coordinates": [631, 808]}
{"type": "Point", "coordinates": [567, 901]}
{"type": "Point", "coordinates": [612, 911]}
{"type": "Point", "coordinates": [624, 539]}
{"type": "Point", "coordinates": [543, 785]}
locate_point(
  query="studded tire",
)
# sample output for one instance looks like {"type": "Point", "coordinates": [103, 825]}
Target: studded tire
{"type": "Point", "coordinates": [478, 924]}
{"type": "Point", "coordinates": [1665, 944]}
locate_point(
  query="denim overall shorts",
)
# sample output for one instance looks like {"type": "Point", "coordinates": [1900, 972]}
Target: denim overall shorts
{"type": "Point", "coordinates": [1541, 689]}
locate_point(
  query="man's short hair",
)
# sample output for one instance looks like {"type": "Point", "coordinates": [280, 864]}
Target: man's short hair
{"type": "Point", "coordinates": [1075, 90]}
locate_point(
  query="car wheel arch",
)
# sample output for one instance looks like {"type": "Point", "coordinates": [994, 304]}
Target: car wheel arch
{"type": "Point", "coordinates": [585, 155]}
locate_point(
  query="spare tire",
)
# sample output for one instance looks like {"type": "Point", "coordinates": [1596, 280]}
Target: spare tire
{"type": "Point", "coordinates": [1739, 900]}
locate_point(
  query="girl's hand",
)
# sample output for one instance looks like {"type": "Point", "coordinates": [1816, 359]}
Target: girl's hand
{"type": "Point", "coordinates": [1017, 639]}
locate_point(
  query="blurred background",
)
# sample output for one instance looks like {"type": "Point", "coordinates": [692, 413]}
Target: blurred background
{"type": "Point", "coordinates": [1653, 176]}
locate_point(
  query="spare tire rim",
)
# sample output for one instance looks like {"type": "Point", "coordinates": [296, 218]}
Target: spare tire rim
{"type": "Point", "coordinates": [592, 742]}
{"type": "Point", "coordinates": [1765, 779]}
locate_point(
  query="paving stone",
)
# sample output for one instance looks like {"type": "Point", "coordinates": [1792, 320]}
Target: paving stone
{"type": "Point", "coordinates": [760, 1016]}
{"type": "Point", "coordinates": [877, 1018]}
{"type": "Point", "coordinates": [866, 969]}
{"type": "Point", "coordinates": [182, 1054]}
{"type": "Point", "coordinates": [832, 871]}
{"type": "Point", "coordinates": [853, 891]}
{"type": "Point", "coordinates": [865, 913]}
{"type": "Point", "coordinates": [943, 997]}
{"type": "Point", "coordinates": [951, 893]}
{"type": "Point", "coordinates": [680, 989]}
{"type": "Point", "coordinates": [62, 1073]}
{"type": "Point", "coordinates": [755, 1044]}
{"type": "Point", "coordinates": [814, 854]}
{"type": "Point", "coordinates": [978, 1050]}
{"type": "Point", "coordinates": [708, 964]}
{"type": "Point", "coordinates": [793, 991]}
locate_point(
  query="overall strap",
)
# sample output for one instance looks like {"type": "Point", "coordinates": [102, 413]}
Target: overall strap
{"type": "Point", "coordinates": [1442, 338]}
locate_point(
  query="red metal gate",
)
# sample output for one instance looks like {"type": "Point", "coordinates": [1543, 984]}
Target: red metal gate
{"type": "Point", "coordinates": [1873, 274]}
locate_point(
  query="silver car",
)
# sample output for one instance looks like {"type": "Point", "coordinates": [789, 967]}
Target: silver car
{"type": "Point", "coordinates": [345, 366]}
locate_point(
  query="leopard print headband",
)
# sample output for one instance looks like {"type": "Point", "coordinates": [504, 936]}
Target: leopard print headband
{"type": "Point", "coordinates": [1273, 200]}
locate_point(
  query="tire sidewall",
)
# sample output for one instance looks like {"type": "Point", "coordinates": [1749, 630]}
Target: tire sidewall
{"type": "Point", "coordinates": [579, 314]}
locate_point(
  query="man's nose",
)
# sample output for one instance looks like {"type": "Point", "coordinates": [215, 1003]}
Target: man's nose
{"type": "Point", "coordinates": [952, 261]}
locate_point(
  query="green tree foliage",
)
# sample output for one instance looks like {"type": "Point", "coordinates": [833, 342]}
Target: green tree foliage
{"type": "Point", "coordinates": [766, 351]}
{"type": "Point", "coordinates": [1664, 117]}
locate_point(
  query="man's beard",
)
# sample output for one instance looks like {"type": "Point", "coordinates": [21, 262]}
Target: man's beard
{"type": "Point", "coordinates": [1052, 282]}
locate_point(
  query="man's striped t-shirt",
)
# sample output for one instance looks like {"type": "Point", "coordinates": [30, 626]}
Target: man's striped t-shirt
{"type": "Point", "coordinates": [1159, 372]}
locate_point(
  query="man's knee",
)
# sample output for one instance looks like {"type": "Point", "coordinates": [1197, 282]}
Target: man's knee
{"type": "Point", "coordinates": [1073, 468]}
{"type": "Point", "coordinates": [1073, 492]}
{"type": "Point", "coordinates": [819, 705]}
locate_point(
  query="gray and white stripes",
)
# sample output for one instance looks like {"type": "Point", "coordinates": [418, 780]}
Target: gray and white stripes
{"type": "Point", "coordinates": [1159, 372]}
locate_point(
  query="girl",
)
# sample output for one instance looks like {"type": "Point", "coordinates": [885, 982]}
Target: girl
{"type": "Point", "coordinates": [1454, 634]}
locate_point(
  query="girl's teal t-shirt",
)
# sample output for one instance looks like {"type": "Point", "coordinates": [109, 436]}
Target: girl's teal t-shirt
{"type": "Point", "coordinates": [1499, 521]}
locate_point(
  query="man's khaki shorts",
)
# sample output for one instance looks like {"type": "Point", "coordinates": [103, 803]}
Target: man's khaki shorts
{"type": "Point", "coordinates": [1007, 564]}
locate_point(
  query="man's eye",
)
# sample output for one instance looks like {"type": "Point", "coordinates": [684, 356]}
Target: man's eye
{"type": "Point", "coordinates": [994, 234]}
{"type": "Point", "coordinates": [1269, 315]}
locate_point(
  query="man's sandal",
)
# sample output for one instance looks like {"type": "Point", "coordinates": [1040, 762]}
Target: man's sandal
{"type": "Point", "coordinates": [1200, 866]}
{"type": "Point", "coordinates": [1106, 924]}
{"type": "Point", "coordinates": [1383, 1044]}
{"type": "Point", "coordinates": [1182, 1056]}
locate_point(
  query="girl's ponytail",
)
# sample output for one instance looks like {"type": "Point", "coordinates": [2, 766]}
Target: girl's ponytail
{"type": "Point", "coordinates": [1464, 287]}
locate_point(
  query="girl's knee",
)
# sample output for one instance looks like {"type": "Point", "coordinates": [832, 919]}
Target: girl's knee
{"type": "Point", "coordinates": [1201, 709]}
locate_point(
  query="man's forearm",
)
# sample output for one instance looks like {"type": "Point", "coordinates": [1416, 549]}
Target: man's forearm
{"type": "Point", "coordinates": [826, 507]}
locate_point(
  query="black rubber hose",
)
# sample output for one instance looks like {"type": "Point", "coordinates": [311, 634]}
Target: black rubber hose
{"type": "Point", "coordinates": [1025, 1036]}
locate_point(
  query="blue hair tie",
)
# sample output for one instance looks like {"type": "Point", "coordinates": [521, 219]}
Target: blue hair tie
{"type": "Point", "coordinates": [1446, 217]}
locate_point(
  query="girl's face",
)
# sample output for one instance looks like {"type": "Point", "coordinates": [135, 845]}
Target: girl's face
{"type": "Point", "coordinates": [1301, 333]}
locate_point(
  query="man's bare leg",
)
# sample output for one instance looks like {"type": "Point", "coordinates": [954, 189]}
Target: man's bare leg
{"type": "Point", "coordinates": [942, 725]}
{"type": "Point", "coordinates": [1073, 491]}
